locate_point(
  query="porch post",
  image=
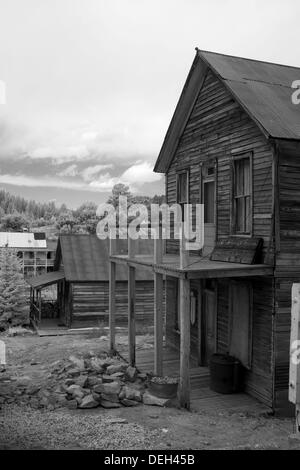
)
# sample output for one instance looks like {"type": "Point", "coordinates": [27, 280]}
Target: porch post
{"type": "Point", "coordinates": [131, 315]}
{"type": "Point", "coordinates": [112, 305]}
{"type": "Point", "coordinates": [184, 378]}
{"type": "Point", "coordinates": [158, 305]}
{"type": "Point", "coordinates": [112, 294]}
{"type": "Point", "coordinates": [40, 304]}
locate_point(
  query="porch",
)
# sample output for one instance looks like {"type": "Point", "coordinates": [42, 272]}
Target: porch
{"type": "Point", "coordinates": [185, 268]}
{"type": "Point", "coordinates": [201, 396]}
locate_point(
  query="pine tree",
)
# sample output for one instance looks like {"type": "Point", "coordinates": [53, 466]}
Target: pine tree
{"type": "Point", "coordinates": [14, 308]}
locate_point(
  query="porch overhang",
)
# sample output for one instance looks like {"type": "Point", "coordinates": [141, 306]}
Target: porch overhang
{"type": "Point", "coordinates": [196, 269]}
{"type": "Point", "coordinates": [45, 280]}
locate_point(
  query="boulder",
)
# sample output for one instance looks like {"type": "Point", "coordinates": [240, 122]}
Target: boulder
{"type": "Point", "coordinates": [72, 404]}
{"type": "Point", "coordinates": [107, 378]}
{"type": "Point", "coordinates": [108, 388]}
{"type": "Point", "coordinates": [74, 372]}
{"type": "Point", "coordinates": [88, 402]}
{"type": "Point", "coordinates": [97, 364]}
{"type": "Point", "coordinates": [93, 381]}
{"type": "Point", "coordinates": [77, 362]}
{"type": "Point", "coordinates": [131, 373]}
{"type": "Point", "coordinates": [69, 382]}
{"type": "Point", "coordinates": [128, 403]}
{"type": "Point", "coordinates": [82, 381]}
{"type": "Point", "coordinates": [130, 394]}
{"type": "Point", "coordinates": [121, 367]}
{"type": "Point", "coordinates": [76, 391]}
{"type": "Point", "coordinates": [149, 399]}
{"type": "Point", "coordinates": [113, 397]}
{"type": "Point", "coordinates": [110, 404]}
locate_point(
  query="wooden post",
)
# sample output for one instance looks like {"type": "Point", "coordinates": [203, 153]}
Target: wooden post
{"type": "Point", "coordinates": [184, 254]}
{"type": "Point", "coordinates": [158, 323]}
{"type": "Point", "coordinates": [131, 315]}
{"type": "Point", "coordinates": [131, 247]}
{"type": "Point", "coordinates": [184, 378]}
{"type": "Point", "coordinates": [40, 305]}
{"type": "Point", "coordinates": [112, 304]}
{"type": "Point", "coordinates": [294, 380]}
{"type": "Point", "coordinates": [158, 245]}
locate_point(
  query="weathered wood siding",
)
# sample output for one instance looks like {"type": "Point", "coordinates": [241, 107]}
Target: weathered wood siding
{"type": "Point", "coordinates": [92, 298]}
{"type": "Point", "coordinates": [259, 382]}
{"type": "Point", "coordinates": [287, 269]}
{"type": "Point", "coordinates": [218, 127]}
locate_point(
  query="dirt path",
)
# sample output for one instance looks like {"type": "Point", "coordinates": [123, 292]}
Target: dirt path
{"type": "Point", "coordinates": [141, 427]}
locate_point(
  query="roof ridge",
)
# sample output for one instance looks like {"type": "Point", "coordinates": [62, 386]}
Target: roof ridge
{"type": "Point", "coordinates": [247, 58]}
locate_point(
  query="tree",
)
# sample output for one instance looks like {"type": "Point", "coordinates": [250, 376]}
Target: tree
{"type": "Point", "coordinates": [14, 309]}
{"type": "Point", "coordinates": [66, 222]}
{"type": "Point", "coordinates": [14, 223]}
{"type": "Point", "coordinates": [118, 190]}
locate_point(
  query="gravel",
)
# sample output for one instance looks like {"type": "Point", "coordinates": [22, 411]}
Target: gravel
{"type": "Point", "coordinates": [24, 428]}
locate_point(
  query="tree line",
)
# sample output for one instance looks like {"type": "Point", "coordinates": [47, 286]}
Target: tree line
{"type": "Point", "coordinates": [17, 213]}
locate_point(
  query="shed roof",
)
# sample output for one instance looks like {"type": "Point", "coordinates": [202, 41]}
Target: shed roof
{"type": "Point", "coordinates": [45, 279]}
{"type": "Point", "coordinates": [86, 258]}
{"type": "Point", "coordinates": [263, 89]}
{"type": "Point", "coordinates": [25, 240]}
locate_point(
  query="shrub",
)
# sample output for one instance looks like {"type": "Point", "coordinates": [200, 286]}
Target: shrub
{"type": "Point", "coordinates": [14, 308]}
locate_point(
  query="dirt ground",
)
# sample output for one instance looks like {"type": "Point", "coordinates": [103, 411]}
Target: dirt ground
{"type": "Point", "coordinates": [141, 427]}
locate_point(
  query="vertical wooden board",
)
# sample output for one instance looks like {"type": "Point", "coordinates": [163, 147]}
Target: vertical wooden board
{"type": "Point", "coordinates": [131, 315]}
{"type": "Point", "coordinates": [294, 375]}
{"type": "Point", "coordinates": [158, 323]}
{"type": "Point", "coordinates": [184, 378]}
{"type": "Point", "coordinates": [112, 304]}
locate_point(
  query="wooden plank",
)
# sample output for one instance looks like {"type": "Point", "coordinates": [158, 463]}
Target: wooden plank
{"type": "Point", "coordinates": [184, 375]}
{"type": "Point", "coordinates": [131, 315]}
{"type": "Point", "coordinates": [112, 304]}
{"type": "Point", "coordinates": [158, 324]}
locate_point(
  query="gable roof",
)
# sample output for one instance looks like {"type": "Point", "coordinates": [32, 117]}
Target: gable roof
{"type": "Point", "coordinates": [25, 240]}
{"type": "Point", "coordinates": [262, 89]}
{"type": "Point", "coordinates": [86, 258]}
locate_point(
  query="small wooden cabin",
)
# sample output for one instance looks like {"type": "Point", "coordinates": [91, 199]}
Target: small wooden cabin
{"type": "Point", "coordinates": [233, 144]}
{"type": "Point", "coordinates": [81, 272]}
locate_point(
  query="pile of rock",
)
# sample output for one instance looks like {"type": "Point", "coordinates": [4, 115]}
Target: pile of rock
{"type": "Point", "coordinates": [82, 382]}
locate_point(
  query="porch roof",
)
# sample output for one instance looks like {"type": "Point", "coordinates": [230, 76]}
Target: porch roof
{"type": "Point", "coordinates": [197, 268]}
{"type": "Point", "coordinates": [45, 280]}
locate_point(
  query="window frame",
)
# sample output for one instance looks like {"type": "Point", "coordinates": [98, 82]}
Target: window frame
{"type": "Point", "coordinates": [233, 208]}
{"type": "Point", "coordinates": [184, 171]}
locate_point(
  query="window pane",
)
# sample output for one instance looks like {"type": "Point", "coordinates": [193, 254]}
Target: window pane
{"type": "Point", "coordinates": [209, 202]}
{"type": "Point", "coordinates": [242, 195]}
{"type": "Point", "coordinates": [246, 176]}
{"type": "Point", "coordinates": [182, 188]}
{"type": "Point", "coordinates": [240, 214]}
{"type": "Point", "coordinates": [247, 214]}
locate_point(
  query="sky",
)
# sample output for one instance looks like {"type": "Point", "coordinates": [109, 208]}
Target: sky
{"type": "Point", "coordinates": [90, 86]}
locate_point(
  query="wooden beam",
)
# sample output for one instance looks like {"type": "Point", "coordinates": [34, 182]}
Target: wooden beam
{"type": "Point", "coordinates": [131, 247]}
{"type": "Point", "coordinates": [183, 253]}
{"type": "Point", "coordinates": [40, 305]}
{"type": "Point", "coordinates": [158, 323]}
{"type": "Point", "coordinates": [131, 315]}
{"type": "Point", "coordinates": [184, 311]}
{"type": "Point", "coordinates": [112, 304]}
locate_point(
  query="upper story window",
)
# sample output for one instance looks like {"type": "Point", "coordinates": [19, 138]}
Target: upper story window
{"type": "Point", "coordinates": [182, 189]}
{"type": "Point", "coordinates": [242, 195]}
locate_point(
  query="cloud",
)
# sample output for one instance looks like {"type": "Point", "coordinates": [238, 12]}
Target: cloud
{"type": "Point", "coordinates": [71, 170]}
{"type": "Point", "coordinates": [140, 173]}
{"type": "Point", "coordinates": [89, 173]}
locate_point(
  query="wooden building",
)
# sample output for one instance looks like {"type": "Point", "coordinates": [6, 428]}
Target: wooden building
{"type": "Point", "coordinates": [81, 273]}
{"type": "Point", "coordinates": [35, 251]}
{"type": "Point", "coordinates": [233, 144]}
